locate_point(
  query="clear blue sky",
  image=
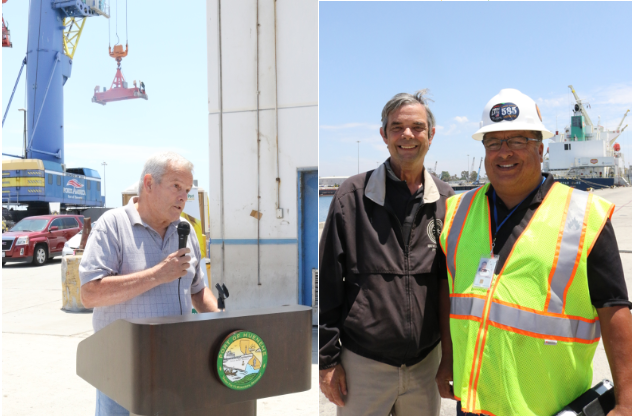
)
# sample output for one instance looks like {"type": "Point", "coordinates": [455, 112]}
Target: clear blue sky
{"type": "Point", "coordinates": [465, 53]}
{"type": "Point", "coordinates": [167, 50]}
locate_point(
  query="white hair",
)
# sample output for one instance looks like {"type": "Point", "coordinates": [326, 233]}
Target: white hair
{"type": "Point", "coordinates": [157, 166]}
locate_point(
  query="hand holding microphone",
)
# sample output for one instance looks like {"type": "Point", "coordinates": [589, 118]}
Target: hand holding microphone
{"type": "Point", "coordinates": [175, 265]}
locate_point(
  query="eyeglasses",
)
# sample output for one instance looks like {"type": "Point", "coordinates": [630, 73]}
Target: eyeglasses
{"type": "Point", "coordinates": [514, 143]}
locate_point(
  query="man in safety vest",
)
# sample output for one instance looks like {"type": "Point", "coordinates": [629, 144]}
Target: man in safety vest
{"type": "Point", "coordinates": [523, 339]}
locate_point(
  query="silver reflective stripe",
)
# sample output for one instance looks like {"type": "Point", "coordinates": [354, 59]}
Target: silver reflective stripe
{"type": "Point", "coordinates": [569, 248]}
{"type": "Point", "coordinates": [542, 324]}
{"type": "Point", "coordinates": [467, 306]}
{"type": "Point", "coordinates": [455, 228]}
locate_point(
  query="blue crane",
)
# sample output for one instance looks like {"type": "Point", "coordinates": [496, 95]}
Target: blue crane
{"type": "Point", "coordinates": [478, 174]}
{"type": "Point", "coordinates": [40, 175]}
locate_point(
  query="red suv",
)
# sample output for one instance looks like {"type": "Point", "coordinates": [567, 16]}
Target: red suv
{"type": "Point", "coordinates": [36, 239]}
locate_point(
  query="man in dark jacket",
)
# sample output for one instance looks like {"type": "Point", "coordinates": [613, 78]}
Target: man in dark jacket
{"type": "Point", "coordinates": [380, 276]}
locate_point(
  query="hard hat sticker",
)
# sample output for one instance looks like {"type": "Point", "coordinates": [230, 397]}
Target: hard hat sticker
{"type": "Point", "coordinates": [504, 111]}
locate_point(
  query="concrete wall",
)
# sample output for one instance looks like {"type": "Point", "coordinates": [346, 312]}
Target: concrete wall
{"type": "Point", "coordinates": [259, 262]}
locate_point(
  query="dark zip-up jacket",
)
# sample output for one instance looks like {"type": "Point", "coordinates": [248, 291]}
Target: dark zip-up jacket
{"type": "Point", "coordinates": [378, 295]}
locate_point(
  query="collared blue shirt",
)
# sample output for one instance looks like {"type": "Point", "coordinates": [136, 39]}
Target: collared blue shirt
{"type": "Point", "coordinates": [122, 243]}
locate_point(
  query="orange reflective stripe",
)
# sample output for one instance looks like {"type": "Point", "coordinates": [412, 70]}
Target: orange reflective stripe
{"type": "Point", "coordinates": [574, 229]}
{"type": "Point", "coordinates": [467, 295]}
{"type": "Point", "coordinates": [545, 313]}
{"type": "Point", "coordinates": [485, 324]}
{"type": "Point", "coordinates": [480, 412]}
{"type": "Point", "coordinates": [458, 223]}
{"type": "Point", "coordinates": [447, 264]}
{"type": "Point", "coordinates": [579, 251]}
{"type": "Point", "coordinates": [603, 224]}
{"type": "Point", "coordinates": [534, 322]}
{"type": "Point", "coordinates": [542, 336]}
{"type": "Point", "coordinates": [531, 321]}
{"type": "Point", "coordinates": [466, 318]}
{"type": "Point", "coordinates": [489, 225]}
{"type": "Point", "coordinates": [535, 214]}
{"type": "Point", "coordinates": [557, 248]}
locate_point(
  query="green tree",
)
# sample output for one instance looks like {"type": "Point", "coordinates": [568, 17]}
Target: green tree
{"type": "Point", "coordinates": [464, 175]}
{"type": "Point", "coordinates": [472, 176]}
{"type": "Point", "coordinates": [445, 176]}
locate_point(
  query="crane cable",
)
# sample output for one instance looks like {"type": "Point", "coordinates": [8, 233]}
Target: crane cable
{"type": "Point", "coordinates": [118, 40]}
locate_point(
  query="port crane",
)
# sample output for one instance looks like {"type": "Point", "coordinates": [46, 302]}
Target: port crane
{"type": "Point", "coordinates": [40, 176]}
{"type": "Point", "coordinates": [6, 33]}
{"type": "Point", "coordinates": [478, 174]}
{"type": "Point", "coordinates": [579, 106]}
{"type": "Point", "coordinates": [619, 129]}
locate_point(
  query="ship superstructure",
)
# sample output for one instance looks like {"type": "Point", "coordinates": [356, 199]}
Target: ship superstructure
{"type": "Point", "coordinates": [584, 155]}
{"type": "Point", "coordinates": [239, 362]}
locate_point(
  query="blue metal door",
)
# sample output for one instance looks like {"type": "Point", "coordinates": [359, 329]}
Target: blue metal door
{"type": "Point", "coordinates": [308, 233]}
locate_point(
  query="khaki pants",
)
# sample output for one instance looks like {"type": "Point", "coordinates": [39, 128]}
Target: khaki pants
{"type": "Point", "coordinates": [377, 389]}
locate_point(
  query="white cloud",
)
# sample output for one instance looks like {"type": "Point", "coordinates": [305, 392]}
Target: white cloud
{"type": "Point", "coordinates": [461, 119]}
{"type": "Point", "coordinates": [441, 130]}
{"type": "Point", "coordinates": [614, 95]}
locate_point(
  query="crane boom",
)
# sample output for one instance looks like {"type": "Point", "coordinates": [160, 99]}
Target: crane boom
{"type": "Point", "coordinates": [478, 174]}
{"type": "Point", "coordinates": [51, 50]}
{"type": "Point", "coordinates": [619, 129]}
{"type": "Point", "coordinates": [626, 113]}
{"type": "Point", "coordinates": [581, 107]}
{"type": "Point", "coordinates": [73, 26]}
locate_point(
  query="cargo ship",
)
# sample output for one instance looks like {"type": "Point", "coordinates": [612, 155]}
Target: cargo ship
{"type": "Point", "coordinates": [586, 156]}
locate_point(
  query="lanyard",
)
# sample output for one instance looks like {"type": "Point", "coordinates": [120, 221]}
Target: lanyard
{"type": "Point", "coordinates": [498, 226]}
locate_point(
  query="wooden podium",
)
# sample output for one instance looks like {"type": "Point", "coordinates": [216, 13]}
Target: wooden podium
{"type": "Point", "coordinates": [168, 366]}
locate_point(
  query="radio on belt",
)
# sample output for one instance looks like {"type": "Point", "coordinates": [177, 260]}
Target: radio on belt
{"type": "Point", "coordinates": [597, 401]}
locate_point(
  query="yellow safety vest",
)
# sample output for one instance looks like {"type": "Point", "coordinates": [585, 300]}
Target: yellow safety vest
{"type": "Point", "coordinates": [525, 345]}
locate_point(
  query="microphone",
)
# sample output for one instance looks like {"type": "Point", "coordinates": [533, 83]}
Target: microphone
{"type": "Point", "coordinates": [183, 234]}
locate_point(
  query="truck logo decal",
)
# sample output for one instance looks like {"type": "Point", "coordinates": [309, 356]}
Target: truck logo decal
{"type": "Point", "coordinates": [74, 183]}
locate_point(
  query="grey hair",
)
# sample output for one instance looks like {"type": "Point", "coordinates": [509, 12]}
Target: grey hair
{"type": "Point", "coordinates": [157, 165]}
{"type": "Point", "coordinates": [402, 99]}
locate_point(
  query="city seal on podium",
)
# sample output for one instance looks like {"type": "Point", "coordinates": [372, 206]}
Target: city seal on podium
{"type": "Point", "coordinates": [242, 360]}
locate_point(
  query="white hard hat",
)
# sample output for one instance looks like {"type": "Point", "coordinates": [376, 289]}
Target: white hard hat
{"type": "Point", "coordinates": [511, 110]}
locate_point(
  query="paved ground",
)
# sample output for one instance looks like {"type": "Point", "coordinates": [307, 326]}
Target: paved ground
{"type": "Point", "coordinates": [622, 221]}
{"type": "Point", "coordinates": [39, 344]}
{"type": "Point", "coordinates": [39, 341]}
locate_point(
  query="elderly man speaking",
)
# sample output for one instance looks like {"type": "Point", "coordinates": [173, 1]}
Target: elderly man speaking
{"type": "Point", "coordinates": [523, 340]}
{"type": "Point", "coordinates": [380, 276]}
{"type": "Point", "coordinates": [132, 267]}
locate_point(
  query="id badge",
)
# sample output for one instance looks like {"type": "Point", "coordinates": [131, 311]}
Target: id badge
{"type": "Point", "coordinates": [485, 272]}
